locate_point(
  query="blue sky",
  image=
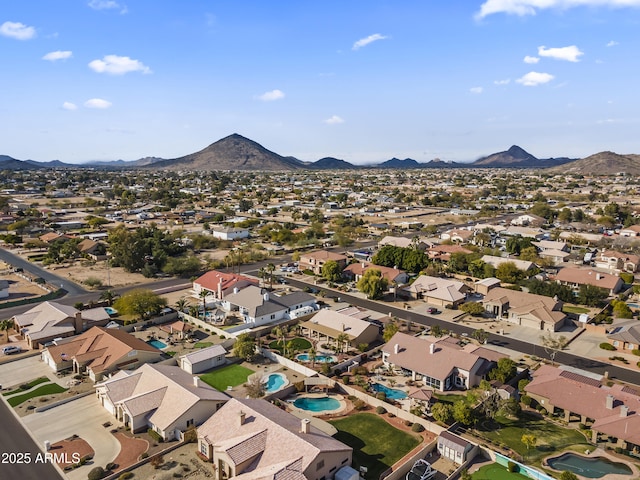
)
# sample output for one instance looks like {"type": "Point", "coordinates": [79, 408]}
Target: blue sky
{"type": "Point", "coordinates": [361, 80]}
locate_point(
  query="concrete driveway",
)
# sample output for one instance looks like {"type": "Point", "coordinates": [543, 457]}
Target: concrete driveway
{"type": "Point", "coordinates": [24, 370]}
{"type": "Point", "coordinates": [83, 417]}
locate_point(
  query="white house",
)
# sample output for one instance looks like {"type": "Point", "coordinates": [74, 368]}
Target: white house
{"type": "Point", "coordinates": [230, 233]}
{"type": "Point", "coordinates": [203, 359]}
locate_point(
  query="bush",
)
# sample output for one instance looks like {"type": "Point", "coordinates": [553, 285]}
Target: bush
{"type": "Point", "coordinates": [359, 405]}
{"type": "Point", "coordinates": [408, 423]}
{"type": "Point", "coordinates": [417, 428]}
{"type": "Point", "coordinates": [636, 351]}
{"type": "Point", "coordinates": [512, 467]}
{"type": "Point", "coordinates": [96, 473]}
{"type": "Point", "coordinates": [111, 466]}
{"type": "Point", "coordinates": [155, 435]}
{"type": "Point", "coordinates": [607, 346]}
{"type": "Point", "coordinates": [381, 396]}
{"type": "Point", "coordinates": [381, 410]}
{"type": "Point", "coordinates": [125, 476]}
{"type": "Point", "coordinates": [526, 400]}
{"type": "Point", "coordinates": [346, 379]}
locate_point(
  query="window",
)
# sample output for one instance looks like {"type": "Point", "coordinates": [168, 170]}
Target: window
{"type": "Point", "coordinates": [190, 423]}
{"type": "Point", "coordinates": [203, 449]}
{"type": "Point", "coordinates": [319, 465]}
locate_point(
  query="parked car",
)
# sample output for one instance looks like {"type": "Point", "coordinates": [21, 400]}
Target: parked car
{"type": "Point", "coordinates": [433, 310]}
{"type": "Point", "coordinates": [10, 349]}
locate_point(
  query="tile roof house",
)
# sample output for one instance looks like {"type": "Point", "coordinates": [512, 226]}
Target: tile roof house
{"type": "Point", "coordinates": [328, 325]}
{"type": "Point", "coordinates": [631, 231]}
{"type": "Point", "coordinates": [221, 284]}
{"type": "Point", "coordinates": [355, 271]}
{"type": "Point", "coordinates": [625, 335]}
{"type": "Point", "coordinates": [457, 235]}
{"type": "Point", "coordinates": [50, 320]}
{"type": "Point", "coordinates": [259, 307]}
{"type": "Point", "coordinates": [617, 262]}
{"type": "Point", "coordinates": [556, 251]}
{"type": "Point", "coordinates": [161, 397]}
{"type": "Point", "coordinates": [314, 261]}
{"type": "Point", "coordinates": [443, 252]}
{"type": "Point", "coordinates": [99, 352]}
{"type": "Point", "coordinates": [203, 359]}
{"type": "Point", "coordinates": [437, 291]}
{"type": "Point", "coordinates": [251, 439]}
{"type": "Point", "coordinates": [439, 362]}
{"type": "Point", "coordinates": [574, 277]}
{"type": "Point", "coordinates": [613, 413]}
{"type": "Point", "coordinates": [404, 242]}
{"type": "Point", "coordinates": [525, 309]}
{"type": "Point", "coordinates": [495, 262]}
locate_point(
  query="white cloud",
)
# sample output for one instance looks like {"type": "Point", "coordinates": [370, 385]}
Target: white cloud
{"type": "Point", "coordinates": [58, 55]}
{"type": "Point", "coordinates": [334, 120]}
{"type": "Point", "coordinates": [363, 42]}
{"type": "Point", "coordinates": [69, 106]}
{"type": "Point", "coordinates": [97, 103]}
{"type": "Point", "coordinates": [476, 90]}
{"type": "Point", "coordinates": [612, 43]}
{"type": "Point", "coordinates": [531, 7]}
{"type": "Point", "coordinates": [107, 5]}
{"type": "Point", "coordinates": [533, 79]}
{"type": "Point", "coordinates": [17, 30]}
{"type": "Point", "coordinates": [506, 81]}
{"type": "Point", "coordinates": [117, 65]}
{"type": "Point", "coordinates": [530, 59]}
{"type": "Point", "coordinates": [570, 53]}
{"type": "Point", "coordinates": [271, 96]}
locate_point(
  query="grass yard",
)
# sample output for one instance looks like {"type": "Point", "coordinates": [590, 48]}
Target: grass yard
{"type": "Point", "coordinates": [48, 389]}
{"type": "Point", "coordinates": [231, 375]}
{"type": "Point", "coordinates": [574, 309]}
{"type": "Point", "coordinates": [550, 437]}
{"type": "Point", "coordinates": [202, 344]}
{"type": "Point", "coordinates": [298, 344]}
{"type": "Point", "coordinates": [453, 398]}
{"type": "Point", "coordinates": [27, 386]}
{"type": "Point", "coordinates": [496, 472]}
{"type": "Point", "coordinates": [376, 444]}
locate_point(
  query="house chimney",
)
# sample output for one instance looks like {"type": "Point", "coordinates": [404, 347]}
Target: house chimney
{"type": "Point", "coordinates": [396, 348]}
{"type": "Point", "coordinates": [598, 276]}
{"type": "Point", "coordinates": [432, 348]}
{"type": "Point", "coordinates": [305, 425]}
{"type": "Point", "coordinates": [196, 381]}
{"type": "Point", "coordinates": [344, 328]}
{"type": "Point", "coordinates": [624, 411]}
{"type": "Point", "coordinates": [242, 417]}
{"type": "Point", "coordinates": [77, 323]}
{"type": "Point", "coordinates": [609, 402]}
{"type": "Point", "coordinates": [265, 296]}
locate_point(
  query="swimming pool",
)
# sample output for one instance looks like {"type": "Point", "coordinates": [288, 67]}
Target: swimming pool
{"type": "Point", "coordinates": [157, 344]}
{"type": "Point", "coordinates": [595, 467]}
{"type": "Point", "coordinates": [633, 305]}
{"type": "Point", "coordinates": [320, 358]}
{"type": "Point", "coordinates": [274, 382]}
{"type": "Point", "coordinates": [111, 311]}
{"type": "Point", "coordinates": [391, 393]}
{"type": "Point", "coordinates": [317, 404]}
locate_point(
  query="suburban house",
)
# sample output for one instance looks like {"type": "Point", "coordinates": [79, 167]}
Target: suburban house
{"type": "Point", "coordinates": [553, 250]}
{"type": "Point", "coordinates": [230, 233]}
{"type": "Point", "coordinates": [178, 328]}
{"type": "Point", "coordinates": [439, 362]}
{"type": "Point", "coordinates": [436, 291]}
{"type": "Point", "coordinates": [259, 307]}
{"type": "Point", "coordinates": [485, 285]}
{"type": "Point", "coordinates": [575, 277]}
{"type": "Point", "coordinates": [525, 309]}
{"type": "Point", "coordinates": [495, 262]}
{"type": "Point", "coordinates": [99, 352]}
{"type": "Point", "coordinates": [528, 219]}
{"type": "Point", "coordinates": [518, 231]}
{"type": "Point", "coordinates": [220, 284]}
{"type": "Point", "coordinates": [92, 249]}
{"type": "Point", "coordinates": [203, 359]}
{"type": "Point", "coordinates": [455, 448]}
{"type": "Point", "coordinates": [625, 335]}
{"type": "Point", "coordinates": [443, 252]}
{"type": "Point", "coordinates": [355, 271]}
{"type": "Point", "coordinates": [404, 242]}
{"type": "Point", "coordinates": [457, 235]}
{"type": "Point", "coordinates": [253, 439]}
{"type": "Point", "coordinates": [631, 231]}
{"type": "Point", "coordinates": [611, 412]}
{"type": "Point", "coordinates": [163, 398]}
{"type": "Point", "coordinates": [314, 261]}
{"type": "Point", "coordinates": [617, 262]}
{"type": "Point", "coordinates": [328, 325]}
{"type": "Point", "coordinates": [52, 320]}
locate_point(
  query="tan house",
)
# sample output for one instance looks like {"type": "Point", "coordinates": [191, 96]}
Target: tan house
{"type": "Point", "coordinates": [253, 439]}
{"type": "Point", "coordinates": [495, 262]}
{"type": "Point", "coordinates": [355, 271]}
{"type": "Point", "coordinates": [220, 284]}
{"type": "Point", "coordinates": [437, 291]}
{"type": "Point", "coordinates": [314, 261]}
{"type": "Point", "coordinates": [625, 335]}
{"type": "Point", "coordinates": [163, 398]}
{"type": "Point", "coordinates": [525, 309]}
{"type": "Point", "coordinates": [327, 325]}
{"type": "Point", "coordinates": [574, 277]}
{"type": "Point", "coordinates": [51, 320]}
{"type": "Point", "coordinates": [617, 262]}
{"type": "Point", "coordinates": [100, 352]}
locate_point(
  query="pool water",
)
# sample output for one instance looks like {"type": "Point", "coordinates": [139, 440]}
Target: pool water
{"type": "Point", "coordinates": [391, 393]}
{"type": "Point", "coordinates": [317, 404]}
{"type": "Point", "coordinates": [157, 344]}
{"type": "Point", "coordinates": [304, 357]}
{"type": "Point", "coordinates": [595, 467]}
{"type": "Point", "coordinates": [111, 311]}
{"type": "Point", "coordinates": [633, 305]}
{"type": "Point", "coordinates": [274, 382]}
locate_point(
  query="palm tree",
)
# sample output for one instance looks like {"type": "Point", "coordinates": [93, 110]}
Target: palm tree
{"type": "Point", "coordinates": [108, 296]}
{"type": "Point", "coordinates": [270, 268]}
{"type": "Point", "coordinates": [341, 340]}
{"type": "Point", "coordinates": [5, 326]}
{"type": "Point", "coordinates": [203, 295]}
{"type": "Point", "coordinates": [262, 273]}
{"type": "Point", "coordinates": [182, 304]}
{"type": "Point", "coordinates": [312, 357]}
{"type": "Point", "coordinates": [193, 310]}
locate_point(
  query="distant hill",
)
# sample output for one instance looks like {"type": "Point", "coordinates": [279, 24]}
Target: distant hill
{"type": "Point", "coordinates": [517, 157]}
{"type": "Point", "coordinates": [10, 163]}
{"type": "Point", "coordinates": [331, 163]}
{"type": "Point", "coordinates": [397, 163]}
{"type": "Point", "coordinates": [603, 163]}
{"type": "Point", "coordinates": [234, 152]}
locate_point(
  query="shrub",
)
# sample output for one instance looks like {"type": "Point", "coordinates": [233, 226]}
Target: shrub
{"type": "Point", "coordinates": [157, 461]}
{"type": "Point", "coordinates": [391, 415]}
{"type": "Point", "coordinates": [526, 400]}
{"type": "Point", "coordinates": [381, 410]}
{"type": "Point", "coordinates": [125, 476]}
{"type": "Point", "coordinates": [359, 405]}
{"type": "Point", "coordinates": [110, 466]}
{"type": "Point", "coordinates": [607, 346]}
{"type": "Point", "coordinates": [619, 450]}
{"type": "Point", "coordinates": [408, 423]}
{"type": "Point", "coordinates": [381, 396]}
{"type": "Point", "coordinates": [417, 427]}
{"type": "Point", "coordinates": [144, 455]}
{"type": "Point", "coordinates": [155, 435]}
{"type": "Point", "coordinates": [346, 379]}
{"type": "Point", "coordinates": [636, 351]}
{"type": "Point", "coordinates": [95, 473]}
{"type": "Point", "coordinates": [512, 467]}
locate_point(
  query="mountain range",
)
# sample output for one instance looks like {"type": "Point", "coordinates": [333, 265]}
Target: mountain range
{"type": "Point", "coordinates": [237, 153]}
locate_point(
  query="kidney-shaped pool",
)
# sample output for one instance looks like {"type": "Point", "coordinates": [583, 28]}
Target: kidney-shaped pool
{"type": "Point", "coordinates": [590, 467]}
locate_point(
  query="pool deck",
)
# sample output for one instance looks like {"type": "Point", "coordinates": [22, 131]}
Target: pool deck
{"type": "Point", "coordinates": [599, 452]}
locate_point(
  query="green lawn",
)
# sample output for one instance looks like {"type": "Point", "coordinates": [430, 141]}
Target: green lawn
{"type": "Point", "coordinates": [29, 385]}
{"type": "Point", "coordinates": [298, 344]}
{"type": "Point", "coordinates": [202, 344]}
{"type": "Point", "coordinates": [453, 398]}
{"type": "Point", "coordinates": [496, 472]}
{"type": "Point", "coordinates": [550, 437]}
{"type": "Point", "coordinates": [48, 389]}
{"type": "Point", "coordinates": [574, 309]}
{"type": "Point", "coordinates": [376, 444]}
{"type": "Point", "coordinates": [231, 375]}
